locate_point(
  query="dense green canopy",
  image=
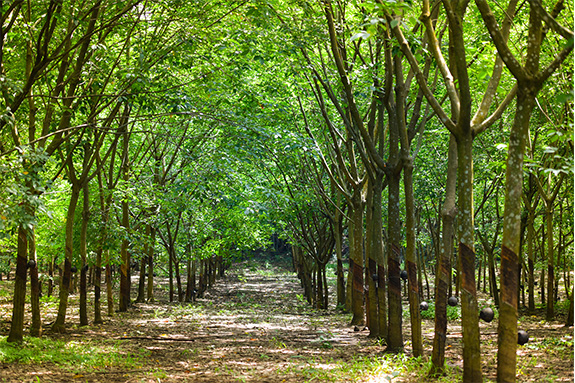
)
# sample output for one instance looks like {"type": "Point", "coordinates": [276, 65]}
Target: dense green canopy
{"type": "Point", "coordinates": [179, 131]}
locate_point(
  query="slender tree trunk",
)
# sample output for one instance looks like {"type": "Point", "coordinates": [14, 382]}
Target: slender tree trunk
{"type": "Point", "coordinates": [411, 261]}
{"type": "Point", "coordinates": [17, 325]}
{"type": "Point", "coordinates": [507, 329]}
{"type": "Point", "coordinates": [98, 287]}
{"type": "Point", "coordinates": [142, 280]}
{"type": "Point", "coordinates": [493, 277]}
{"type": "Point", "coordinates": [377, 270]}
{"type": "Point", "coordinates": [125, 282]}
{"type": "Point", "coordinates": [58, 325]}
{"type": "Point", "coordinates": [50, 276]}
{"type": "Point", "coordinates": [171, 272]}
{"type": "Point", "coordinates": [443, 279]}
{"type": "Point", "coordinates": [372, 225]}
{"type": "Point", "coordinates": [356, 259]}
{"type": "Point", "coordinates": [150, 288]}
{"type": "Point", "coordinates": [466, 257]}
{"type": "Point", "coordinates": [36, 324]}
{"type": "Point", "coordinates": [189, 287]}
{"type": "Point", "coordinates": [395, 329]}
{"type": "Point", "coordinates": [179, 279]}
{"type": "Point", "coordinates": [109, 287]}
{"type": "Point", "coordinates": [337, 228]}
{"type": "Point", "coordinates": [193, 281]}
{"type": "Point", "coordinates": [83, 255]}
{"type": "Point", "coordinates": [569, 321]}
{"type": "Point", "coordinates": [550, 315]}
{"type": "Point", "coordinates": [320, 292]}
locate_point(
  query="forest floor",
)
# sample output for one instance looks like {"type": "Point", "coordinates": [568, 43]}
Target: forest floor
{"type": "Point", "coordinates": [254, 326]}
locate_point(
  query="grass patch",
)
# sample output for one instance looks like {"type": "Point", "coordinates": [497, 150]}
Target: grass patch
{"type": "Point", "coordinates": [453, 312]}
{"type": "Point", "coordinates": [384, 368]}
{"type": "Point", "coordinates": [78, 355]}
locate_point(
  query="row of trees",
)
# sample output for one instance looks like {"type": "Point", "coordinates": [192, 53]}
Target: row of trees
{"type": "Point", "coordinates": [171, 134]}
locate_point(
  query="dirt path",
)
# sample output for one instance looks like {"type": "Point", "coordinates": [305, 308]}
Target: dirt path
{"type": "Point", "coordinates": [253, 326]}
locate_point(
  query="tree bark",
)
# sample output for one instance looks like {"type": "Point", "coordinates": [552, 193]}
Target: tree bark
{"type": "Point", "coordinates": [59, 324]}
{"type": "Point", "coordinates": [124, 301]}
{"type": "Point", "coordinates": [443, 279]}
{"type": "Point", "coordinates": [356, 258]}
{"type": "Point", "coordinates": [17, 325]}
{"type": "Point", "coordinates": [36, 324]}
{"type": "Point", "coordinates": [84, 253]}
{"type": "Point", "coordinates": [150, 287]}
{"type": "Point", "coordinates": [466, 257]}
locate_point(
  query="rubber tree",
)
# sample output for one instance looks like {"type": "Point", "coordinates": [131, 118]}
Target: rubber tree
{"type": "Point", "coordinates": [61, 46]}
{"type": "Point", "coordinates": [349, 179]}
{"type": "Point", "coordinates": [46, 52]}
{"type": "Point", "coordinates": [530, 79]}
{"type": "Point", "coordinates": [79, 179]}
{"type": "Point", "coordinates": [339, 52]}
{"type": "Point", "coordinates": [548, 196]}
{"type": "Point", "coordinates": [465, 126]}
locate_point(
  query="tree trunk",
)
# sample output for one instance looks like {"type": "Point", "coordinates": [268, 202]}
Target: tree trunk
{"type": "Point", "coordinates": [550, 315]}
{"type": "Point", "coordinates": [377, 252]}
{"type": "Point", "coordinates": [493, 277]}
{"type": "Point", "coordinates": [411, 260]}
{"type": "Point", "coordinates": [337, 228]}
{"type": "Point", "coordinates": [50, 276]}
{"type": "Point", "coordinates": [443, 273]}
{"type": "Point", "coordinates": [36, 324]}
{"type": "Point", "coordinates": [356, 258]}
{"type": "Point", "coordinates": [109, 287]}
{"type": "Point", "coordinates": [466, 260]}
{"type": "Point", "coordinates": [569, 321]}
{"type": "Point", "coordinates": [125, 282]}
{"type": "Point", "coordinates": [98, 286]}
{"type": "Point", "coordinates": [17, 325]}
{"type": "Point", "coordinates": [171, 273]}
{"type": "Point", "coordinates": [395, 329]}
{"type": "Point", "coordinates": [142, 279]}
{"type": "Point", "coordinates": [150, 289]}
{"type": "Point", "coordinates": [179, 279]}
{"type": "Point", "coordinates": [320, 287]}
{"type": "Point", "coordinates": [58, 325]}
{"type": "Point", "coordinates": [84, 254]}
{"type": "Point", "coordinates": [189, 286]}
{"type": "Point", "coordinates": [507, 329]}
{"type": "Point", "coordinates": [373, 226]}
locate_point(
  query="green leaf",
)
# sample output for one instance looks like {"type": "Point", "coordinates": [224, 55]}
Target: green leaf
{"type": "Point", "coordinates": [360, 35]}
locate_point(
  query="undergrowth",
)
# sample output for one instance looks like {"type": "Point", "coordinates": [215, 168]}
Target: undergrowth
{"type": "Point", "coordinates": [453, 312]}
{"type": "Point", "coordinates": [77, 355]}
